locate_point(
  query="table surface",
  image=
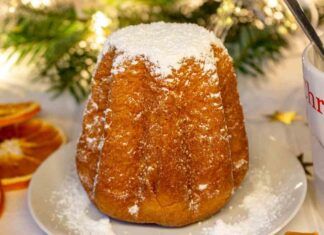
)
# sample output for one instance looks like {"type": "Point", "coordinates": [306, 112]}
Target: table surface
{"type": "Point", "coordinates": [281, 88]}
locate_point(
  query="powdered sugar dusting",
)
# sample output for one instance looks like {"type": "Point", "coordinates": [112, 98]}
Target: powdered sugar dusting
{"type": "Point", "coordinates": [75, 211]}
{"type": "Point", "coordinates": [133, 210]}
{"type": "Point", "coordinates": [240, 163]}
{"type": "Point", "coordinates": [165, 45]}
{"type": "Point", "coordinates": [202, 187]}
{"type": "Point", "coordinates": [259, 209]}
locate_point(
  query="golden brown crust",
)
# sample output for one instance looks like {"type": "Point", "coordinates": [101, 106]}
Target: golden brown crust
{"type": "Point", "coordinates": [93, 127]}
{"type": "Point", "coordinates": [233, 115]}
{"type": "Point", "coordinates": [165, 156]}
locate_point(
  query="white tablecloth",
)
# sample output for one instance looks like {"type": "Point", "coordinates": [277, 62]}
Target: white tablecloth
{"type": "Point", "coordinates": [280, 89]}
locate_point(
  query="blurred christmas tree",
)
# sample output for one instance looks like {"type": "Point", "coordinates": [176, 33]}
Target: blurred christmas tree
{"type": "Point", "coordinates": [64, 38]}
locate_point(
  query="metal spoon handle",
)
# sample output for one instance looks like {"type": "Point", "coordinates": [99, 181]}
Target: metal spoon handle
{"type": "Point", "coordinates": [305, 25]}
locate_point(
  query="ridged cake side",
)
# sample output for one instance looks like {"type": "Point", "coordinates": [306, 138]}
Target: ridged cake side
{"type": "Point", "coordinates": [165, 157]}
{"type": "Point", "coordinates": [233, 115]}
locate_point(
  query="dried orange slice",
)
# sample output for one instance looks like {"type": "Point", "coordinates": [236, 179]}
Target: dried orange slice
{"type": "Point", "coordinates": [1, 200]}
{"type": "Point", "coordinates": [23, 147]}
{"type": "Point", "coordinates": [300, 233]}
{"type": "Point", "coordinates": [13, 113]}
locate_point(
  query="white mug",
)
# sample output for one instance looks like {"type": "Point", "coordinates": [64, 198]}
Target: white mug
{"type": "Point", "coordinates": [313, 69]}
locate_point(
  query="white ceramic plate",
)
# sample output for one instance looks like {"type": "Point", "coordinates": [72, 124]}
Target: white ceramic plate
{"type": "Point", "coordinates": [281, 174]}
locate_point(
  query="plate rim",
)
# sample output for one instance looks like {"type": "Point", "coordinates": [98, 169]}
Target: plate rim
{"type": "Point", "coordinates": [74, 142]}
{"type": "Point", "coordinates": [30, 208]}
{"type": "Point", "coordinates": [298, 207]}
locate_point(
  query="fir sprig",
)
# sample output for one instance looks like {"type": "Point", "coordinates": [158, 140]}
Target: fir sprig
{"type": "Point", "coordinates": [51, 39]}
{"type": "Point", "coordinates": [250, 47]}
{"type": "Point", "coordinates": [59, 41]}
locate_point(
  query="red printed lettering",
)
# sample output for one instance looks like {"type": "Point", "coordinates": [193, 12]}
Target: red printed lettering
{"type": "Point", "coordinates": [311, 97]}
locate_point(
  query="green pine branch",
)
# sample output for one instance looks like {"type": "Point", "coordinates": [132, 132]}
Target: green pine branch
{"type": "Point", "coordinates": [51, 37]}
{"type": "Point", "coordinates": [251, 47]}
{"type": "Point", "coordinates": [38, 34]}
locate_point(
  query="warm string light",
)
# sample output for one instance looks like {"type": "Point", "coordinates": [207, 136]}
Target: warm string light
{"type": "Point", "coordinates": [277, 14]}
{"type": "Point", "coordinates": [98, 25]}
{"type": "Point", "coordinates": [225, 15]}
{"type": "Point", "coordinates": [37, 3]}
{"type": "Point", "coordinates": [223, 19]}
{"type": "Point", "coordinates": [272, 3]}
{"type": "Point", "coordinates": [261, 14]}
{"type": "Point", "coordinates": [186, 7]}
